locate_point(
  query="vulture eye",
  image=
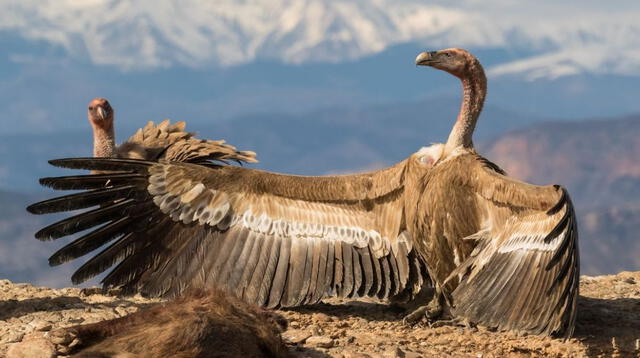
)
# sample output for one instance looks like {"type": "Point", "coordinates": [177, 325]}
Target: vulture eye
{"type": "Point", "coordinates": [447, 54]}
{"type": "Point", "coordinates": [90, 108]}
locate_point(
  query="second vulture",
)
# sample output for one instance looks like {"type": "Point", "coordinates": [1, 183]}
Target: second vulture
{"type": "Point", "coordinates": [498, 252]}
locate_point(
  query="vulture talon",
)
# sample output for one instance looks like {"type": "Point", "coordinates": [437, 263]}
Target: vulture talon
{"type": "Point", "coordinates": [431, 312]}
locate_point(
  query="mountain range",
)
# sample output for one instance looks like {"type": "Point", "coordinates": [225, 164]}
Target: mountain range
{"type": "Point", "coordinates": [558, 39]}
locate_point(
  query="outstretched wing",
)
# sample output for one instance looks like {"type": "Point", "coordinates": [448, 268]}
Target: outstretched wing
{"type": "Point", "coordinates": [171, 142]}
{"type": "Point", "coordinates": [524, 272]}
{"type": "Point", "coordinates": [274, 240]}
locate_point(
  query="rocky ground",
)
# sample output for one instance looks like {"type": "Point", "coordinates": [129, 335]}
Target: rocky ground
{"type": "Point", "coordinates": [608, 324]}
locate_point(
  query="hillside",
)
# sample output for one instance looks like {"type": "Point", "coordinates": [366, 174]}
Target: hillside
{"type": "Point", "coordinates": [597, 160]}
{"type": "Point", "coordinates": [607, 324]}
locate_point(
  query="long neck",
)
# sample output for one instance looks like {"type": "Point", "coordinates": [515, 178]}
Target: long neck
{"type": "Point", "coordinates": [104, 142]}
{"type": "Point", "coordinates": [474, 90]}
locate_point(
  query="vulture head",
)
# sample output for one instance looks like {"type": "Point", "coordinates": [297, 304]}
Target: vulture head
{"type": "Point", "coordinates": [100, 113]}
{"type": "Point", "coordinates": [456, 61]}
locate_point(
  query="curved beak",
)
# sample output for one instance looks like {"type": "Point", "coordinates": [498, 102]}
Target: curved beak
{"type": "Point", "coordinates": [102, 114]}
{"type": "Point", "coordinates": [425, 58]}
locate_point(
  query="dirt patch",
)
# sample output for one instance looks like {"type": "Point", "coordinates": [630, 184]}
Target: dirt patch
{"type": "Point", "coordinates": [608, 324]}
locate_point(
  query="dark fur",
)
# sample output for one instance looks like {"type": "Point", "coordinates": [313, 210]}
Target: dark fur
{"type": "Point", "coordinates": [201, 324]}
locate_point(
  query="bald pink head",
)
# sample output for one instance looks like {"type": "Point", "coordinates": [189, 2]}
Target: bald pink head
{"type": "Point", "coordinates": [456, 61]}
{"type": "Point", "coordinates": [100, 114]}
{"type": "Point", "coordinates": [462, 64]}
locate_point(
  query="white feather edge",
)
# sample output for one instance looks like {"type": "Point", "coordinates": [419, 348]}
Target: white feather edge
{"type": "Point", "coordinates": [211, 207]}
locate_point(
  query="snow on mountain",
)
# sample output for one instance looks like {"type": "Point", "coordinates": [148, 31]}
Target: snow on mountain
{"type": "Point", "coordinates": [560, 38]}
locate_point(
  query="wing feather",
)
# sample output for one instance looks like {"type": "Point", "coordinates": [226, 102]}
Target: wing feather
{"type": "Point", "coordinates": [280, 279]}
{"type": "Point", "coordinates": [357, 271]}
{"type": "Point", "coordinates": [262, 273]}
{"type": "Point", "coordinates": [523, 275]}
{"type": "Point", "coordinates": [250, 267]}
{"type": "Point", "coordinates": [347, 264]}
{"type": "Point", "coordinates": [368, 279]}
{"type": "Point", "coordinates": [376, 284]}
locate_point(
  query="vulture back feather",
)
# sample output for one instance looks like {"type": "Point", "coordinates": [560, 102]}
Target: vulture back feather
{"type": "Point", "coordinates": [171, 142]}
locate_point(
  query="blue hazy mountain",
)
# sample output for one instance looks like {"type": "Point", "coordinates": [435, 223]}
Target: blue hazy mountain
{"type": "Point", "coordinates": [49, 96]}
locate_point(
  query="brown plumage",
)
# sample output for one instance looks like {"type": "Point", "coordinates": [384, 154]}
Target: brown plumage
{"type": "Point", "coordinates": [502, 252]}
{"type": "Point", "coordinates": [198, 325]}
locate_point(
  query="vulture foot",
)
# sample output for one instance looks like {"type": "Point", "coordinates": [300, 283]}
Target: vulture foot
{"type": "Point", "coordinates": [431, 311]}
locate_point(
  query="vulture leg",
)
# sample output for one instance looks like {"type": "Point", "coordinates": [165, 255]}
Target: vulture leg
{"type": "Point", "coordinates": [434, 310]}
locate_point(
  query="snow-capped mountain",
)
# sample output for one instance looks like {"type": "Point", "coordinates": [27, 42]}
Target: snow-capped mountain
{"type": "Point", "coordinates": [558, 38]}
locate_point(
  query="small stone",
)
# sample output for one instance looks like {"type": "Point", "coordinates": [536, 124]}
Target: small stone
{"type": "Point", "coordinates": [296, 336]}
{"type": "Point", "coordinates": [12, 337]}
{"type": "Point", "coordinates": [319, 341]}
{"type": "Point", "coordinates": [321, 317]}
{"type": "Point", "coordinates": [630, 280]}
{"type": "Point", "coordinates": [121, 311]}
{"type": "Point", "coordinates": [32, 348]}
{"type": "Point", "coordinates": [294, 324]}
{"type": "Point", "coordinates": [409, 354]}
{"type": "Point", "coordinates": [74, 343]}
{"type": "Point", "coordinates": [62, 336]}
{"type": "Point", "coordinates": [316, 330]}
{"type": "Point", "coordinates": [76, 320]}
{"type": "Point", "coordinates": [40, 325]}
{"type": "Point", "coordinates": [63, 349]}
{"type": "Point", "coordinates": [89, 291]}
{"type": "Point", "coordinates": [350, 354]}
{"type": "Point", "coordinates": [393, 353]}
